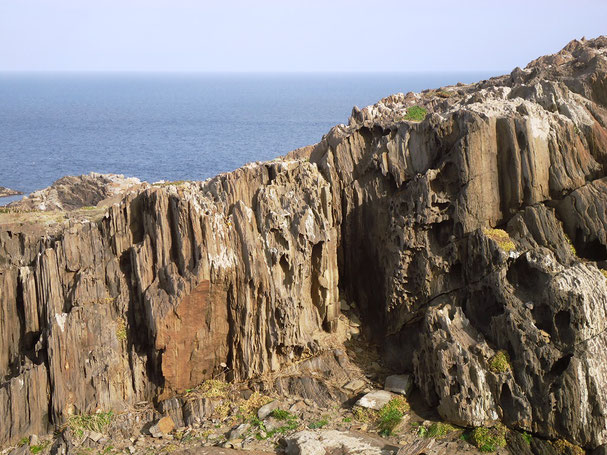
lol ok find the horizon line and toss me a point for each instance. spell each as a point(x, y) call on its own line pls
point(128, 71)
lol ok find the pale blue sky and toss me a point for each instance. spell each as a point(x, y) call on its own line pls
point(311, 35)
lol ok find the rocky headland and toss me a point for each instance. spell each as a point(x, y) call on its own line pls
point(4, 192)
point(428, 279)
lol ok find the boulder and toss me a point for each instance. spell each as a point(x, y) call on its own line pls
point(267, 409)
point(375, 399)
point(163, 427)
point(399, 383)
point(322, 442)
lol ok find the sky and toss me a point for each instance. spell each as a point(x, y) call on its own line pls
point(289, 35)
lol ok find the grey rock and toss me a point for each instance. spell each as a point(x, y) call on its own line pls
point(375, 399)
point(355, 385)
point(94, 436)
point(322, 442)
point(267, 409)
point(238, 432)
point(399, 383)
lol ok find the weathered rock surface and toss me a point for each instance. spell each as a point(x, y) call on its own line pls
point(173, 283)
point(376, 399)
point(331, 441)
point(4, 192)
point(69, 193)
point(471, 242)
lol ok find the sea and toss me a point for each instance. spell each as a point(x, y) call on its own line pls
point(172, 126)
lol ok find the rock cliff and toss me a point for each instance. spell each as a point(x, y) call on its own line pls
point(474, 243)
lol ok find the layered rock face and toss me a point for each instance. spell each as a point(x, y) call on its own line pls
point(174, 286)
point(452, 235)
point(418, 205)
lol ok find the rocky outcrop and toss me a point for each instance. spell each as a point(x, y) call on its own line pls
point(418, 205)
point(234, 276)
point(471, 242)
point(4, 192)
point(69, 193)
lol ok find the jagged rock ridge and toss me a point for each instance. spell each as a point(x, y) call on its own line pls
point(243, 272)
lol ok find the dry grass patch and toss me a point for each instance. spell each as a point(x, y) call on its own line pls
point(500, 237)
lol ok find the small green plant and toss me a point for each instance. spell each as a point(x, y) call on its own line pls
point(489, 439)
point(290, 423)
point(500, 237)
point(280, 414)
point(604, 272)
point(439, 429)
point(571, 246)
point(500, 362)
point(347, 419)
point(35, 449)
point(318, 424)
point(434, 430)
point(391, 415)
point(527, 437)
point(23, 441)
point(92, 422)
point(415, 114)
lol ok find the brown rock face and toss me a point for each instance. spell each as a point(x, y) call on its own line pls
point(193, 338)
point(452, 235)
point(175, 285)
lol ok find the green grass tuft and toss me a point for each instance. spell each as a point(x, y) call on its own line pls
point(439, 429)
point(415, 114)
point(391, 415)
point(318, 424)
point(92, 422)
point(35, 449)
point(290, 423)
point(489, 439)
point(500, 362)
point(279, 414)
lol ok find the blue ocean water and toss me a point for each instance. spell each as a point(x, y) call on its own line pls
point(175, 126)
